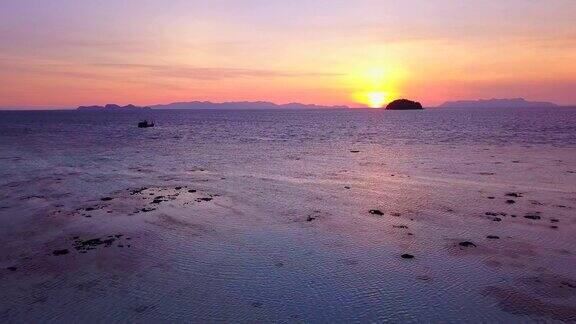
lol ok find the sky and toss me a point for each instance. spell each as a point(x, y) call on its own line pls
point(65, 53)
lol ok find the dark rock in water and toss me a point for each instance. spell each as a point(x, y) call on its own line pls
point(490, 197)
point(91, 244)
point(346, 187)
point(376, 212)
point(554, 220)
point(404, 104)
point(467, 244)
point(553, 226)
point(60, 252)
point(106, 198)
point(203, 199)
point(497, 219)
point(12, 269)
point(514, 194)
point(310, 218)
point(178, 188)
point(192, 190)
point(158, 200)
point(407, 256)
point(532, 216)
point(354, 151)
point(493, 237)
point(510, 201)
point(147, 209)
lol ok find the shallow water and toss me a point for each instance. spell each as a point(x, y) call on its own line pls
point(285, 232)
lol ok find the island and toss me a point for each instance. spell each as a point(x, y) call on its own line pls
point(113, 107)
point(404, 104)
point(497, 103)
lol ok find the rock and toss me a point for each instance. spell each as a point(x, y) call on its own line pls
point(532, 216)
point(192, 190)
point(497, 219)
point(310, 218)
point(467, 244)
point(554, 220)
point(493, 237)
point(12, 269)
point(404, 104)
point(407, 256)
point(106, 198)
point(91, 244)
point(147, 209)
point(158, 200)
point(60, 252)
point(376, 212)
point(514, 194)
point(510, 201)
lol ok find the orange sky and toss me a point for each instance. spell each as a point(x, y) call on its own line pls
point(64, 53)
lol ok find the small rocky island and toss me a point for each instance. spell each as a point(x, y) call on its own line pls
point(404, 104)
point(113, 107)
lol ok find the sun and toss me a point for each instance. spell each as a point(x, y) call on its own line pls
point(376, 99)
point(375, 86)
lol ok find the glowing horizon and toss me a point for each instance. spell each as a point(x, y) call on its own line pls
point(66, 53)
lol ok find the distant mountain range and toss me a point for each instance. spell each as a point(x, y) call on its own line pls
point(112, 107)
point(241, 105)
point(496, 103)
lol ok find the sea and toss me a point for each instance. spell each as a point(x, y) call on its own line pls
point(336, 215)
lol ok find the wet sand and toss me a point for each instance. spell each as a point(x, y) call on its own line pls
point(365, 241)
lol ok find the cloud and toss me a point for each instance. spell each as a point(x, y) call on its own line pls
point(208, 73)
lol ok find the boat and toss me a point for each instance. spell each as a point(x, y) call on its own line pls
point(145, 124)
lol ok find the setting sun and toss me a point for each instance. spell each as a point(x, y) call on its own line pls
point(376, 99)
point(376, 86)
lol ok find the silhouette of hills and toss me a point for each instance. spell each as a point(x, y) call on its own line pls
point(241, 105)
point(112, 107)
point(496, 103)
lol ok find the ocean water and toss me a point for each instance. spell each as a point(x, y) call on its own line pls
point(251, 216)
